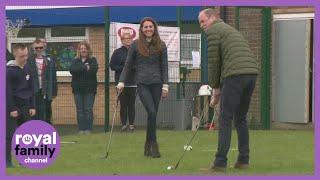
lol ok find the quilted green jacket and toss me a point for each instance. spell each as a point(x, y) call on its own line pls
point(228, 53)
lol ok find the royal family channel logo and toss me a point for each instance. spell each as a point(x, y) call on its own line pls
point(36, 144)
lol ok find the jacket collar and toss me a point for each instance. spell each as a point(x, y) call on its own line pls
point(12, 63)
point(217, 21)
point(214, 23)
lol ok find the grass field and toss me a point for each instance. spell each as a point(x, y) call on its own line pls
point(272, 153)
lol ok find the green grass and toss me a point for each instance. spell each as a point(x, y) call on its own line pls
point(272, 153)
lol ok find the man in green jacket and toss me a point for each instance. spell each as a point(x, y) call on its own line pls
point(232, 71)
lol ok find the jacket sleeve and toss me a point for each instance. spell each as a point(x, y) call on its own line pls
point(214, 59)
point(129, 63)
point(93, 67)
point(32, 104)
point(11, 105)
point(77, 67)
point(115, 64)
point(164, 64)
point(54, 79)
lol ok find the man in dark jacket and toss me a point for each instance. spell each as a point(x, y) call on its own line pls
point(45, 81)
point(128, 95)
point(232, 75)
point(20, 96)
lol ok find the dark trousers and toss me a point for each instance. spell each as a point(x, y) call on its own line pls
point(236, 92)
point(43, 108)
point(84, 105)
point(127, 101)
point(150, 96)
point(11, 126)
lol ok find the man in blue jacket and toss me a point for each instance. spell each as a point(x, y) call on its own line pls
point(19, 92)
point(128, 96)
point(45, 82)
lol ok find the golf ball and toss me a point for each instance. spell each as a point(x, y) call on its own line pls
point(188, 148)
point(169, 168)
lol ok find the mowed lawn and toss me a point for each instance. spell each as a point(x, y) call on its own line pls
point(275, 152)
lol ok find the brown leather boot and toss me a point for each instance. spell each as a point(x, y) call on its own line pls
point(154, 150)
point(239, 165)
point(147, 147)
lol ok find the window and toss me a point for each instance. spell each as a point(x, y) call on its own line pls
point(68, 31)
point(32, 32)
point(62, 43)
point(63, 53)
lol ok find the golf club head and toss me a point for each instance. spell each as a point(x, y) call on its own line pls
point(104, 157)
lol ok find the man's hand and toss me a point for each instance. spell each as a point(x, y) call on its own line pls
point(32, 112)
point(215, 97)
point(14, 114)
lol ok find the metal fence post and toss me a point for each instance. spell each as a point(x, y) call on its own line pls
point(106, 77)
point(265, 70)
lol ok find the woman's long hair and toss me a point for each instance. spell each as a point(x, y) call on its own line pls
point(85, 43)
point(156, 41)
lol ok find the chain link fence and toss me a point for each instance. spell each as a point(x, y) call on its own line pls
point(177, 110)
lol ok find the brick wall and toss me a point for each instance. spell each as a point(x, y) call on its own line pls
point(250, 25)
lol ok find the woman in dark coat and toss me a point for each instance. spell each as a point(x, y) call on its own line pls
point(148, 55)
point(84, 70)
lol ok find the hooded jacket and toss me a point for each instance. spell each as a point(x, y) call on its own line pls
point(19, 87)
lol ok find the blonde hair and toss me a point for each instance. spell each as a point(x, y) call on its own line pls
point(123, 35)
point(87, 45)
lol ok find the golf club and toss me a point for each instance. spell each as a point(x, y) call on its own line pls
point(111, 131)
point(190, 140)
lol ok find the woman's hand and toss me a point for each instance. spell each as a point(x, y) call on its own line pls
point(120, 87)
point(164, 93)
point(165, 90)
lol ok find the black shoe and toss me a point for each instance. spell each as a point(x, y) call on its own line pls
point(147, 148)
point(154, 149)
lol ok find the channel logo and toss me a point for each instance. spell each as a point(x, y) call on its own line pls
point(36, 144)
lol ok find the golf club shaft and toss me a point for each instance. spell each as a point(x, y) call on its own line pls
point(111, 131)
point(192, 137)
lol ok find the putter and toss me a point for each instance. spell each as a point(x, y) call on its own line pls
point(111, 131)
point(190, 140)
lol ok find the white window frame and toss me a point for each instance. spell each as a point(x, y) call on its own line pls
point(51, 39)
point(291, 16)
